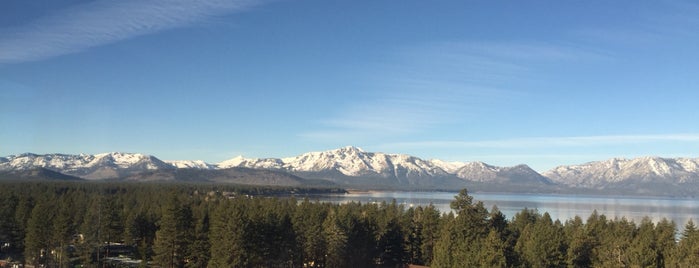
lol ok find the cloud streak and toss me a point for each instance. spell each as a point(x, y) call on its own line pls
point(440, 84)
point(549, 142)
point(103, 22)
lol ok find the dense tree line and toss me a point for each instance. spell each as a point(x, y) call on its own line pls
point(64, 224)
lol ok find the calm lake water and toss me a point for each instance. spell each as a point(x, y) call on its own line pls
point(562, 207)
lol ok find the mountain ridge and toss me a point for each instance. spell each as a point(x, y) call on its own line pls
point(353, 167)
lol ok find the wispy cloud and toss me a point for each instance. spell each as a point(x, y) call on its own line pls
point(103, 22)
point(440, 83)
point(660, 23)
point(549, 142)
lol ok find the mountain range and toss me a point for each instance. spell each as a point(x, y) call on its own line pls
point(352, 167)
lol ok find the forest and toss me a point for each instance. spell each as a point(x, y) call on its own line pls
point(80, 224)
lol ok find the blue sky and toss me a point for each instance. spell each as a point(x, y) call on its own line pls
point(544, 83)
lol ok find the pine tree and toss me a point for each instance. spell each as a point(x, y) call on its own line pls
point(337, 241)
point(444, 246)
point(63, 231)
point(228, 245)
point(429, 226)
point(391, 234)
point(200, 248)
point(614, 243)
point(580, 248)
point(665, 240)
point(542, 244)
point(9, 227)
point(140, 231)
point(643, 250)
point(391, 244)
point(308, 225)
point(39, 233)
point(462, 238)
point(25, 205)
point(492, 254)
point(690, 230)
point(686, 254)
point(175, 234)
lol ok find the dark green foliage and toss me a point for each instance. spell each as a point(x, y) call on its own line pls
point(38, 240)
point(308, 224)
point(542, 244)
point(580, 244)
point(422, 234)
point(189, 225)
point(687, 252)
point(175, 234)
point(463, 237)
point(10, 228)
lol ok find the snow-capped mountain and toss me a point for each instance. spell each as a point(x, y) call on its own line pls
point(348, 166)
point(354, 167)
point(478, 171)
point(619, 170)
point(254, 163)
point(450, 167)
point(198, 164)
point(347, 161)
point(354, 162)
point(99, 166)
point(482, 172)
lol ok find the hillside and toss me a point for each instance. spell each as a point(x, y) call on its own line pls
point(352, 167)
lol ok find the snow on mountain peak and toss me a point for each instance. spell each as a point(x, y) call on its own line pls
point(616, 170)
point(450, 167)
point(99, 166)
point(354, 162)
point(349, 149)
point(198, 164)
point(255, 163)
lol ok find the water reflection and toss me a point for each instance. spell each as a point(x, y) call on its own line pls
point(562, 207)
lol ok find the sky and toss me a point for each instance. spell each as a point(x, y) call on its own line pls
point(544, 83)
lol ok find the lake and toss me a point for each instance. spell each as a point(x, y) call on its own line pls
point(562, 207)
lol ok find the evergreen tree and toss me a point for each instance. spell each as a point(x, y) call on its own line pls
point(391, 237)
point(686, 253)
point(39, 233)
point(580, 244)
point(429, 227)
point(228, 245)
point(542, 244)
point(23, 212)
point(665, 241)
point(596, 227)
point(200, 248)
point(9, 227)
point(111, 224)
point(463, 237)
point(337, 241)
point(308, 224)
point(580, 249)
point(690, 230)
point(174, 235)
point(643, 250)
point(361, 234)
point(614, 244)
point(443, 256)
point(90, 230)
point(391, 245)
point(492, 254)
point(140, 231)
point(515, 229)
point(423, 223)
point(63, 231)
